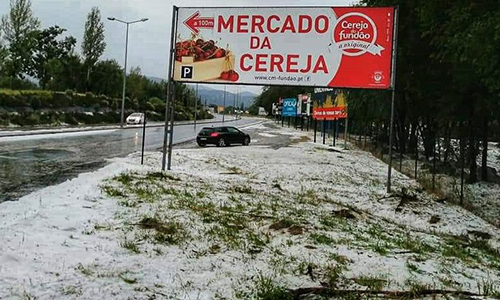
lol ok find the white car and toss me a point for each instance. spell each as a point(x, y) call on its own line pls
point(135, 118)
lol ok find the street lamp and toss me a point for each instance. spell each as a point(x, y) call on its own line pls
point(125, 69)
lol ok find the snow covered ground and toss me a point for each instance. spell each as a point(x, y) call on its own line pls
point(241, 222)
point(483, 198)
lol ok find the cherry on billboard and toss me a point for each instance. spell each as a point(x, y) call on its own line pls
point(343, 47)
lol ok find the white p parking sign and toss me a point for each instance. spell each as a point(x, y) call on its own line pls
point(187, 72)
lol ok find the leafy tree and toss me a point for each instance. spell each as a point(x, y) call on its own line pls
point(49, 48)
point(67, 73)
point(93, 44)
point(18, 26)
point(3, 53)
point(107, 78)
point(135, 85)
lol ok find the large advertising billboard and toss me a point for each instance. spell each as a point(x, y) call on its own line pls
point(344, 47)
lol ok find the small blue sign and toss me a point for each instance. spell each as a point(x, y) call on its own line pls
point(289, 107)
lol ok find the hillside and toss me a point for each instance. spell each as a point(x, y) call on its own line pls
point(214, 96)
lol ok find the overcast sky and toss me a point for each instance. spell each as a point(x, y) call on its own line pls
point(148, 41)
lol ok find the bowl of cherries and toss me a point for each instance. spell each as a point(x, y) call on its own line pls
point(210, 61)
point(200, 49)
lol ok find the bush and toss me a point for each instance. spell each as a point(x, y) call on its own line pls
point(104, 103)
point(70, 119)
point(157, 104)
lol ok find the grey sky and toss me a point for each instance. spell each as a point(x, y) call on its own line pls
point(148, 41)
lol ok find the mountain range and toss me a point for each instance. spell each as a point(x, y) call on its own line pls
point(215, 96)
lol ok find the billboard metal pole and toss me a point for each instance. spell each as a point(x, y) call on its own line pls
point(196, 107)
point(394, 61)
point(169, 85)
point(346, 129)
point(315, 129)
point(172, 124)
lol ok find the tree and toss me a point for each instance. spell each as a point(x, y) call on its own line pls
point(93, 44)
point(67, 73)
point(106, 79)
point(48, 48)
point(18, 26)
point(135, 85)
point(3, 53)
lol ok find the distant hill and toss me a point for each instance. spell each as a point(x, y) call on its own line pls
point(156, 79)
point(216, 96)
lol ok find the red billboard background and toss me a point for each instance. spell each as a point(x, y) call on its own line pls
point(367, 70)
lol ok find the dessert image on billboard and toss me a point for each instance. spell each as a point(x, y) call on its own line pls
point(209, 62)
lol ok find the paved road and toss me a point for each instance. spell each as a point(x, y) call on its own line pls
point(32, 162)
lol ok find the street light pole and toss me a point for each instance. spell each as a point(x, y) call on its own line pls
point(122, 119)
point(124, 80)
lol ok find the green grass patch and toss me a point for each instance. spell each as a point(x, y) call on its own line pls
point(84, 270)
point(380, 247)
point(166, 233)
point(241, 190)
point(322, 239)
point(332, 275)
point(414, 245)
point(376, 283)
point(112, 191)
point(128, 280)
point(413, 268)
point(124, 178)
point(131, 246)
point(267, 289)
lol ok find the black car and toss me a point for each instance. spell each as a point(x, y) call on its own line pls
point(222, 136)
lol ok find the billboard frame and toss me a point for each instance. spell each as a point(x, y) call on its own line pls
point(390, 88)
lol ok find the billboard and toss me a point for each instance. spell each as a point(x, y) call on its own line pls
point(305, 100)
point(328, 106)
point(346, 47)
point(289, 107)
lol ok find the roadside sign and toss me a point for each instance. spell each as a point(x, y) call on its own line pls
point(330, 106)
point(289, 107)
point(347, 47)
point(305, 100)
point(330, 113)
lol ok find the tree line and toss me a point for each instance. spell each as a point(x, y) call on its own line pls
point(49, 55)
point(447, 85)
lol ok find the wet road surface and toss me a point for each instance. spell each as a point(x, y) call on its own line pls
point(34, 162)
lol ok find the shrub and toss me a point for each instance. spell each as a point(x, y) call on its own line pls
point(104, 103)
